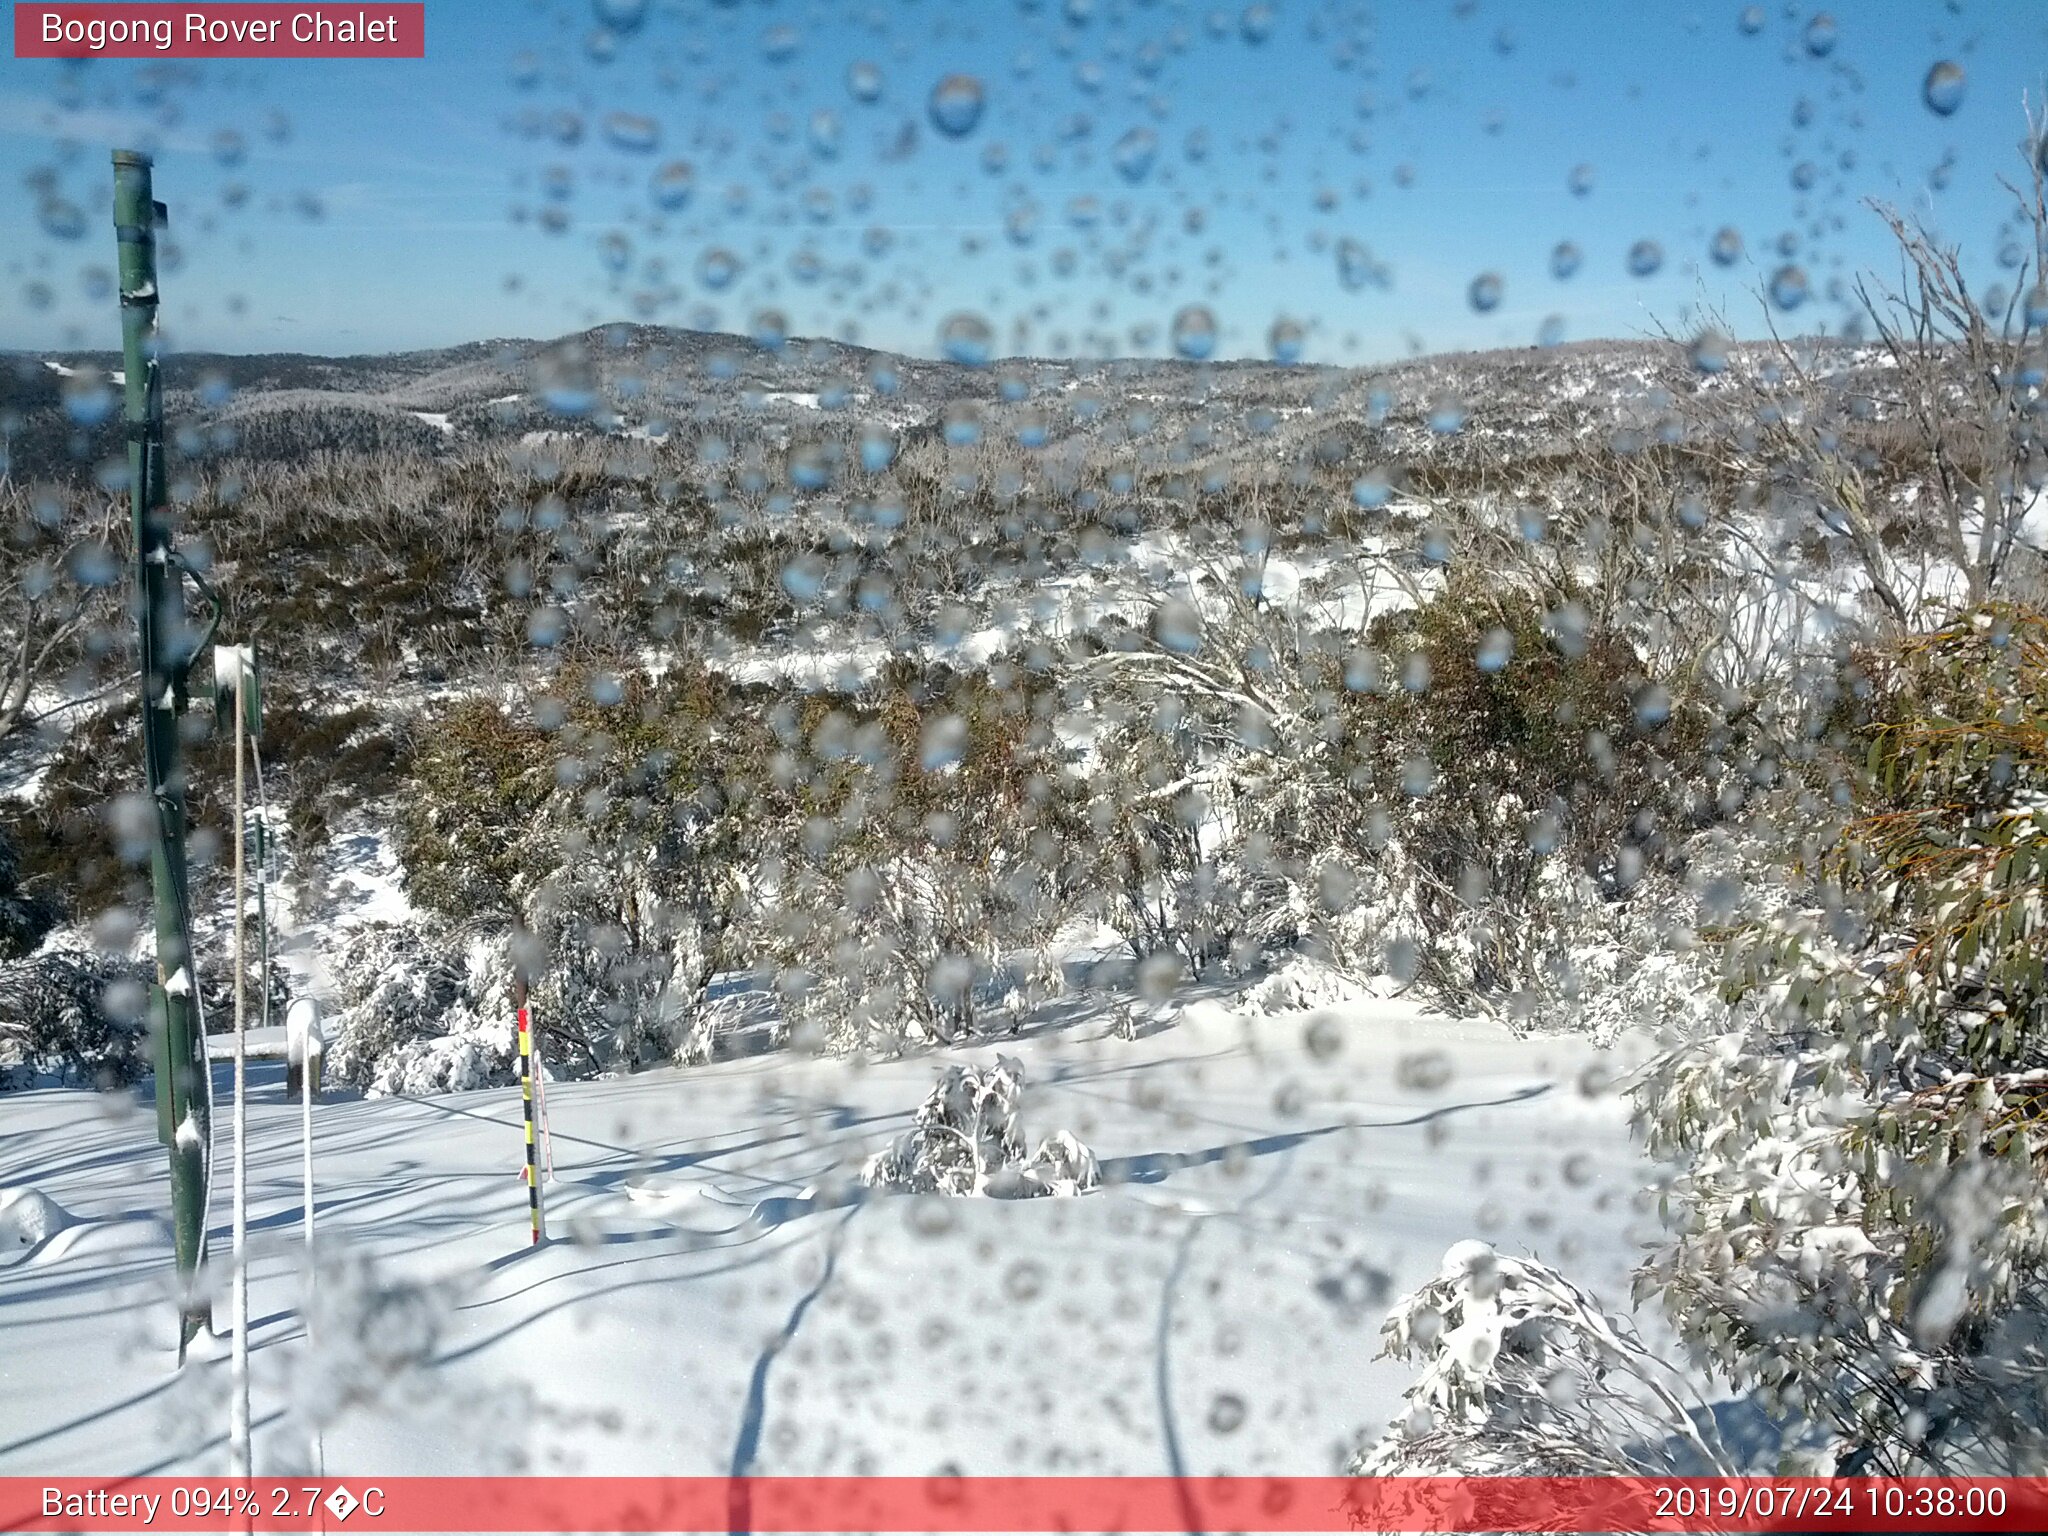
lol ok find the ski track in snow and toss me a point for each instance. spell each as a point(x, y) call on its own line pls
point(717, 1297)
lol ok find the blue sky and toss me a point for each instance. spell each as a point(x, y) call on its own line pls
point(352, 206)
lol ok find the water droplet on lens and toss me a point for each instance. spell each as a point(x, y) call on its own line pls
point(956, 105)
point(1644, 258)
point(1424, 1071)
point(770, 329)
point(1356, 266)
point(1485, 292)
point(1943, 91)
point(967, 339)
point(1194, 332)
point(1134, 154)
point(88, 401)
point(1496, 646)
point(804, 578)
point(93, 565)
point(961, 425)
point(877, 450)
point(1564, 260)
point(864, 81)
point(622, 16)
point(1021, 223)
point(717, 267)
point(61, 219)
point(1158, 975)
point(1789, 287)
point(1285, 340)
point(944, 743)
point(1371, 490)
point(673, 183)
point(1726, 246)
point(1821, 34)
point(1322, 1036)
point(1177, 626)
point(1226, 1413)
point(633, 132)
point(546, 626)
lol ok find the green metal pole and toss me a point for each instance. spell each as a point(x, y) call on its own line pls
point(183, 1115)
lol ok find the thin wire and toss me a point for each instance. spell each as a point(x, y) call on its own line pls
point(547, 1135)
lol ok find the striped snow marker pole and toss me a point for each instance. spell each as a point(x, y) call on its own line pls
point(526, 1086)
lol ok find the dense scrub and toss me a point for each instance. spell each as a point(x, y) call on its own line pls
point(1859, 1227)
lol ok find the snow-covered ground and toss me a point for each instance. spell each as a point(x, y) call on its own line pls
point(713, 1302)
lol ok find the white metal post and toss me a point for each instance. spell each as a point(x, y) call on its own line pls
point(304, 1046)
point(239, 1454)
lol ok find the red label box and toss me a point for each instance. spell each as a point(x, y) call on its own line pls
point(365, 29)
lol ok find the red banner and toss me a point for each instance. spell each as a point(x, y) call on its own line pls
point(1024, 1504)
point(221, 31)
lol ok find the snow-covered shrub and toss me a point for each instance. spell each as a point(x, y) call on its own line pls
point(1063, 1164)
point(1300, 983)
point(468, 823)
point(1518, 768)
point(423, 1012)
point(1856, 1224)
point(921, 865)
point(24, 918)
point(609, 839)
point(1468, 795)
point(1166, 838)
point(967, 1140)
point(28, 1218)
point(1524, 1376)
point(73, 1017)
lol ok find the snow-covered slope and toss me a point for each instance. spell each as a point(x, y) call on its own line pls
point(714, 1302)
